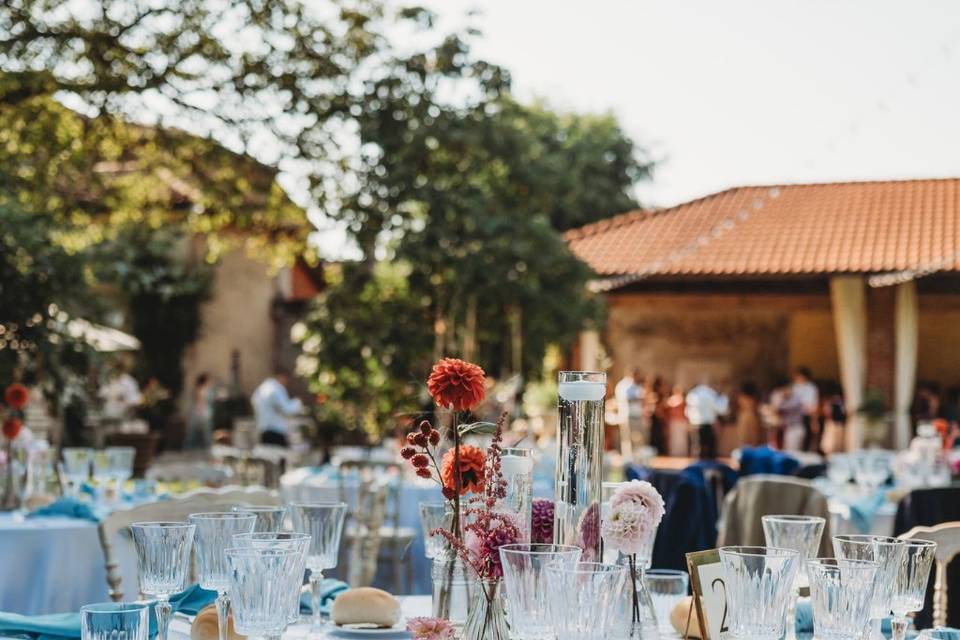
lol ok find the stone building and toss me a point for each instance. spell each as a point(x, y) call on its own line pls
point(859, 281)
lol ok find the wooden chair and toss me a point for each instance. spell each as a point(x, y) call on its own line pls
point(172, 510)
point(363, 533)
point(394, 540)
point(947, 537)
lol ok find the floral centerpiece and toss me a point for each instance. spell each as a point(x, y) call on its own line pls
point(15, 399)
point(636, 509)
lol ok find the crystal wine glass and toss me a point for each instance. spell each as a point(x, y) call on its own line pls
point(121, 465)
point(281, 540)
point(260, 581)
point(76, 465)
point(911, 583)
point(323, 521)
point(268, 518)
point(802, 534)
point(887, 553)
point(102, 473)
point(163, 560)
point(215, 531)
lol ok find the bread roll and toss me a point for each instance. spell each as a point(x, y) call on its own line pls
point(366, 606)
point(678, 618)
point(205, 627)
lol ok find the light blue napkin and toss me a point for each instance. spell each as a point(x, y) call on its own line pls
point(945, 634)
point(67, 507)
point(329, 591)
point(863, 511)
point(66, 626)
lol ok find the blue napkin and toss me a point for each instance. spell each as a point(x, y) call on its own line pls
point(804, 616)
point(66, 626)
point(944, 633)
point(329, 591)
point(862, 511)
point(68, 507)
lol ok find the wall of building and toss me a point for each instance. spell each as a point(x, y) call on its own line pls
point(813, 343)
point(938, 351)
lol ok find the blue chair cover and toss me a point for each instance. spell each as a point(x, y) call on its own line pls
point(763, 459)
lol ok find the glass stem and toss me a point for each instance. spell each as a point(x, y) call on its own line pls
point(791, 631)
point(316, 582)
point(899, 627)
point(163, 611)
point(223, 608)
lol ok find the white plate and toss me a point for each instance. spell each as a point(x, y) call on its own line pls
point(369, 634)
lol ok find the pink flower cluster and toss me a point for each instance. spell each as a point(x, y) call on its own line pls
point(430, 629)
point(636, 509)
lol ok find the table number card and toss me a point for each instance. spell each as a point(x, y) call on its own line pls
point(709, 592)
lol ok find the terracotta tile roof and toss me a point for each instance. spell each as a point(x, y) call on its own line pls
point(865, 227)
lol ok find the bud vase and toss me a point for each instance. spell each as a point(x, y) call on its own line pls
point(453, 587)
point(638, 619)
point(486, 620)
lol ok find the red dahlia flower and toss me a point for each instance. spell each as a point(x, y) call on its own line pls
point(456, 384)
point(11, 428)
point(16, 396)
point(472, 461)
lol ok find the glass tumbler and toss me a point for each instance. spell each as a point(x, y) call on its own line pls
point(281, 540)
point(268, 518)
point(260, 584)
point(115, 621)
point(583, 597)
point(887, 553)
point(525, 582)
point(667, 588)
point(840, 593)
point(759, 582)
point(433, 516)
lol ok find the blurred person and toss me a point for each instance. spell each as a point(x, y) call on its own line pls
point(200, 418)
point(704, 407)
point(834, 418)
point(678, 427)
point(806, 392)
point(121, 394)
point(791, 410)
point(655, 404)
point(272, 405)
point(749, 429)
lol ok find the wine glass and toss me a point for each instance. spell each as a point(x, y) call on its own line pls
point(163, 560)
point(260, 581)
point(268, 518)
point(838, 469)
point(280, 540)
point(121, 464)
point(887, 553)
point(802, 534)
point(102, 472)
point(434, 515)
point(323, 521)
point(911, 583)
point(76, 466)
point(215, 531)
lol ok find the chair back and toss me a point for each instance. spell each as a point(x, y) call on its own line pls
point(389, 474)
point(947, 537)
point(173, 510)
point(366, 523)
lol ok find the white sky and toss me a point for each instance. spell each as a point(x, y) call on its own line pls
point(730, 92)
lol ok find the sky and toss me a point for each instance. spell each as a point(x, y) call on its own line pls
point(734, 92)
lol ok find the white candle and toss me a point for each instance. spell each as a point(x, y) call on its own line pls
point(515, 465)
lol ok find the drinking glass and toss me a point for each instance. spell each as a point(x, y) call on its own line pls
point(838, 469)
point(281, 540)
point(259, 583)
point(911, 583)
point(268, 518)
point(525, 581)
point(163, 560)
point(887, 553)
point(582, 598)
point(102, 473)
point(802, 534)
point(434, 515)
point(121, 464)
point(215, 531)
point(323, 521)
point(76, 465)
point(516, 465)
point(667, 587)
point(115, 621)
point(840, 593)
point(759, 581)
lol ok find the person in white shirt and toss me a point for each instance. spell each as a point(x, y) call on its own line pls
point(120, 395)
point(704, 406)
point(806, 393)
point(272, 405)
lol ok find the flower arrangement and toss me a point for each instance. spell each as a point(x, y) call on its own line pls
point(430, 629)
point(636, 509)
point(541, 526)
point(15, 397)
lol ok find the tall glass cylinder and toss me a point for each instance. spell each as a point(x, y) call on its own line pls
point(579, 474)
point(516, 464)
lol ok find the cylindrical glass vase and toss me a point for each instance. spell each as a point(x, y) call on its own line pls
point(453, 587)
point(516, 464)
point(579, 474)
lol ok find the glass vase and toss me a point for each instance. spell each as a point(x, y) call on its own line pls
point(579, 473)
point(453, 587)
point(517, 468)
point(635, 613)
point(486, 620)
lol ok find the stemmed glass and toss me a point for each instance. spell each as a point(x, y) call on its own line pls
point(281, 540)
point(121, 465)
point(911, 583)
point(163, 560)
point(802, 534)
point(525, 582)
point(583, 599)
point(840, 593)
point(887, 553)
point(102, 473)
point(215, 531)
point(268, 518)
point(76, 466)
point(433, 516)
point(260, 581)
point(323, 521)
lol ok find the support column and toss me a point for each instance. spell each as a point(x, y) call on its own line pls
point(848, 298)
point(906, 317)
point(589, 350)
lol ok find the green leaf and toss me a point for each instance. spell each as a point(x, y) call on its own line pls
point(480, 428)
